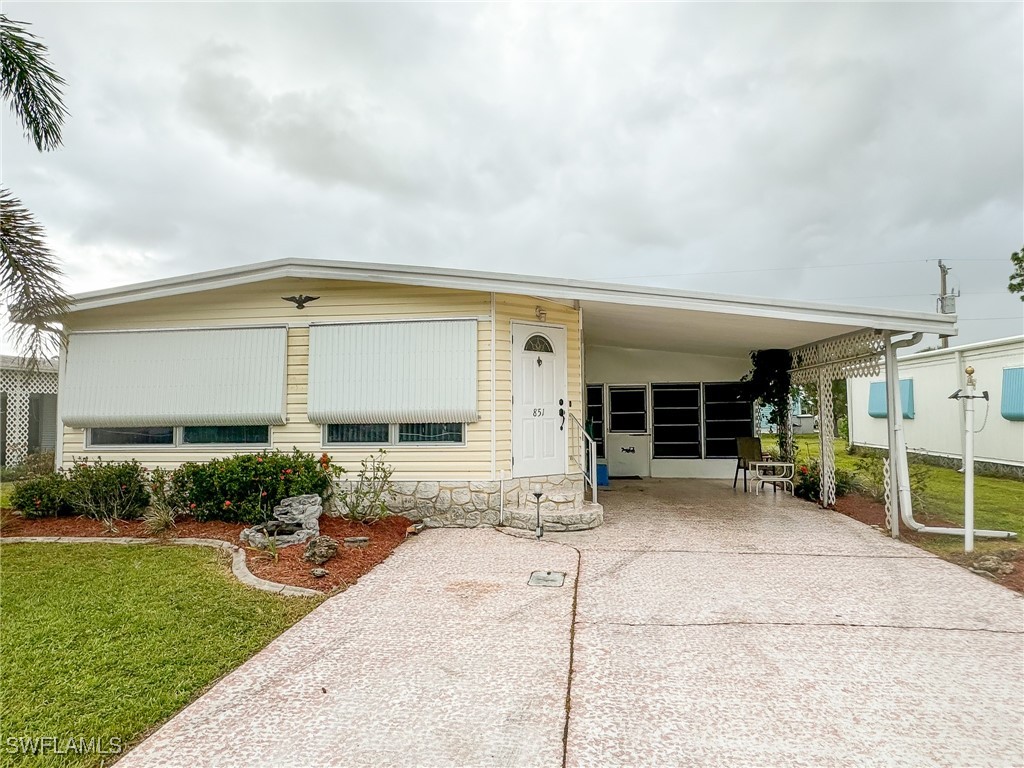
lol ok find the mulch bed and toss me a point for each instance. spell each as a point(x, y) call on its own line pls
point(343, 570)
point(871, 512)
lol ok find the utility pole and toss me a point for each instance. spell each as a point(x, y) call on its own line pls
point(943, 271)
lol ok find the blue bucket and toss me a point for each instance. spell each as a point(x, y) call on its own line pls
point(602, 475)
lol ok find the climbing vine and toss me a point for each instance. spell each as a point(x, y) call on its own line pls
point(769, 382)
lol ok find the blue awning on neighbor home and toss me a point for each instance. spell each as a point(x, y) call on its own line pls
point(878, 406)
point(1012, 406)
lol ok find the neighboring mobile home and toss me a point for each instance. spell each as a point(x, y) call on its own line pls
point(477, 384)
point(934, 424)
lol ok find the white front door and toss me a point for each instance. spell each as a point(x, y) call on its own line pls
point(540, 409)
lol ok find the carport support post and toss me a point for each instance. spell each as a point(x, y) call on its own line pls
point(890, 421)
point(828, 446)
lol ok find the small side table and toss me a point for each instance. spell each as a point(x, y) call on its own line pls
point(774, 472)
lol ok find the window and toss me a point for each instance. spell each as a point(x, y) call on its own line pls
point(392, 434)
point(358, 433)
point(627, 409)
point(179, 436)
point(430, 433)
point(675, 418)
point(728, 414)
point(538, 343)
point(242, 435)
point(131, 436)
point(595, 416)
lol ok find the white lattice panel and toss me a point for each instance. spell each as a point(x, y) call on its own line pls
point(843, 357)
point(20, 385)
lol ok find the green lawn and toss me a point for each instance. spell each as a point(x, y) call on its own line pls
point(6, 487)
point(108, 641)
point(997, 501)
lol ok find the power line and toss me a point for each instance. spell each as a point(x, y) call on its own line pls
point(791, 267)
point(1010, 317)
point(911, 295)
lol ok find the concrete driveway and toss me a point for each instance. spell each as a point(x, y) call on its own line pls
point(708, 628)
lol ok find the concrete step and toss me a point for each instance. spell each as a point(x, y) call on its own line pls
point(580, 516)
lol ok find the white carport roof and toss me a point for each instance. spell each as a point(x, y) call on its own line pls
point(640, 317)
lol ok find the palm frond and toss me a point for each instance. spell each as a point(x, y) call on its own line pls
point(30, 84)
point(30, 281)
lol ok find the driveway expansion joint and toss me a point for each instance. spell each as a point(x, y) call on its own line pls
point(926, 556)
point(851, 625)
point(572, 631)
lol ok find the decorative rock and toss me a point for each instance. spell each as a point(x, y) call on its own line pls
point(304, 510)
point(993, 564)
point(320, 549)
point(461, 496)
point(296, 519)
point(357, 541)
point(427, 490)
point(317, 573)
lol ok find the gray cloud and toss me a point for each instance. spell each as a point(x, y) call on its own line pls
point(606, 141)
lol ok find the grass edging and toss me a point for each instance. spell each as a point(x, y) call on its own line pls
point(238, 565)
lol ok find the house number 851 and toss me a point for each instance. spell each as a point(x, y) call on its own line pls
point(538, 411)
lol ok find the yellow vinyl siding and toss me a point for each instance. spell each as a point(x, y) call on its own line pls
point(339, 301)
point(524, 308)
point(259, 303)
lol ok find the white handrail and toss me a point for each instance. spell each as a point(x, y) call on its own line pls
point(586, 460)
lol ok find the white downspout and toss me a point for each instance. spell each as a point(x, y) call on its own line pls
point(895, 408)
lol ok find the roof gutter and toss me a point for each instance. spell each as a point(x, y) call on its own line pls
point(555, 288)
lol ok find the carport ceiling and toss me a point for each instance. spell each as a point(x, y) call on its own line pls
point(707, 333)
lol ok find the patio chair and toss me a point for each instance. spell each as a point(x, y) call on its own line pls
point(748, 451)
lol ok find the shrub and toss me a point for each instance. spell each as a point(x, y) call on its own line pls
point(871, 478)
point(808, 481)
point(843, 428)
point(161, 514)
point(247, 486)
point(159, 519)
point(13, 473)
point(43, 496)
point(107, 491)
point(35, 465)
point(364, 499)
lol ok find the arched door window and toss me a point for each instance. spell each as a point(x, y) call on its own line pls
point(538, 343)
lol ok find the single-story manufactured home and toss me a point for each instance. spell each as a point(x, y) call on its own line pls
point(482, 387)
point(934, 424)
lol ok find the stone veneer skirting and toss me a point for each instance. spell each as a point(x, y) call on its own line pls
point(470, 503)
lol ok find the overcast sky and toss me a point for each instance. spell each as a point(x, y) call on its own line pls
point(827, 152)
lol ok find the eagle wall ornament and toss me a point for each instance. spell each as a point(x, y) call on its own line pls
point(300, 301)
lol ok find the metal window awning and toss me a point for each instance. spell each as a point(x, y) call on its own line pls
point(393, 372)
point(205, 377)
